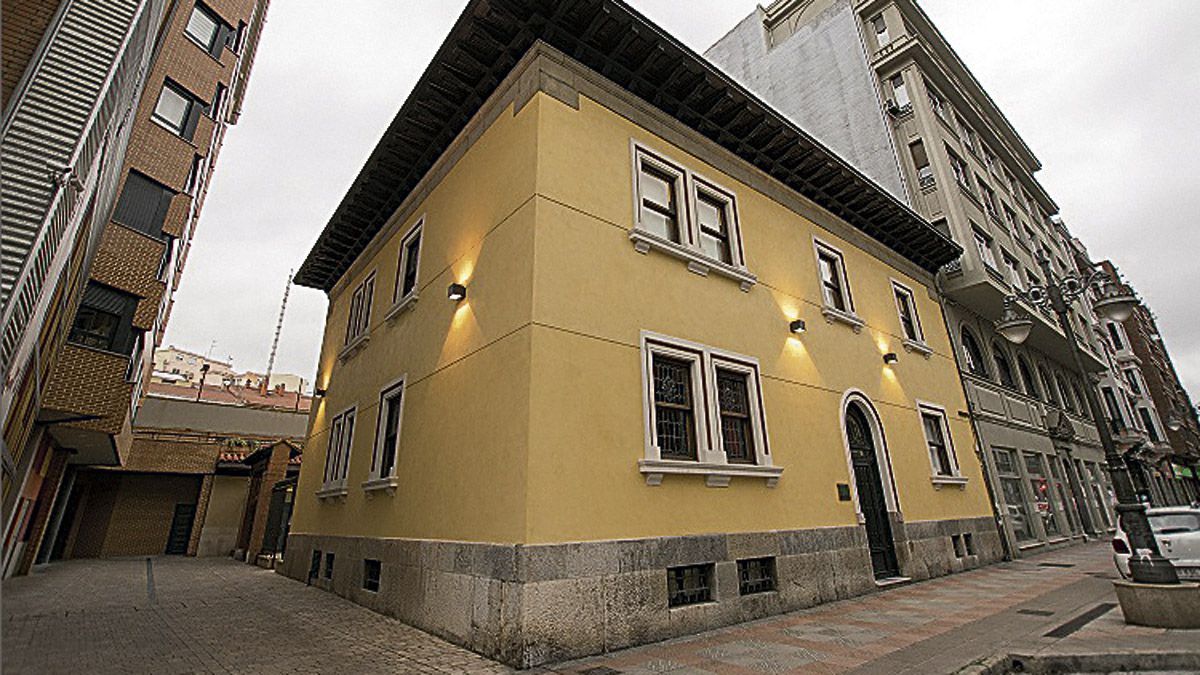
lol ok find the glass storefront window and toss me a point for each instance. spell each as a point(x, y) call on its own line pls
point(1015, 504)
point(1040, 488)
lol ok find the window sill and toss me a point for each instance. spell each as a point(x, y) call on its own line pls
point(376, 484)
point(401, 305)
point(334, 490)
point(717, 475)
point(918, 347)
point(354, 346)
point(832, 314)
point(698, 263)
point(940, 481)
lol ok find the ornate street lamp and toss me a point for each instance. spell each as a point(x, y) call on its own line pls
point(1174, 423)
point(1147, 564)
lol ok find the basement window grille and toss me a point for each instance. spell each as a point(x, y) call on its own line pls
point(689, 585)
point(756, 575)
point(329, 565)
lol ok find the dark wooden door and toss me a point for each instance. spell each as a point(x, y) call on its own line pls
point(181, 529)
point(869, 481)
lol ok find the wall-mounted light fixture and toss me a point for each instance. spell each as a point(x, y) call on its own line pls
point(890, 358)
point(319, 393)
point(797, 326)
point(456, 292)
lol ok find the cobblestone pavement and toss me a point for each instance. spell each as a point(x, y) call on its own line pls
point(206, 615)
point(221, 616)
point(939, 626)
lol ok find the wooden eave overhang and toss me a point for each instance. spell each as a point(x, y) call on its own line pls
point(609, 37)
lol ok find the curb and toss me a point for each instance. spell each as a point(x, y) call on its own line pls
point(1083, 663)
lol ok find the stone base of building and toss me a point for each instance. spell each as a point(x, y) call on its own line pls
point(530, 605)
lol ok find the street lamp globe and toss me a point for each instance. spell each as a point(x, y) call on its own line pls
point(1174, 423)
point(1014, 326)
point(1116, 305)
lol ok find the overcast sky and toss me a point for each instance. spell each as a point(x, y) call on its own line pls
point(1106, 96)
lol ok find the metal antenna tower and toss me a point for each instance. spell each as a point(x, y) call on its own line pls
point(278, 329)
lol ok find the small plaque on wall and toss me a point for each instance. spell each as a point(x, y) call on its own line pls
point(843, 492)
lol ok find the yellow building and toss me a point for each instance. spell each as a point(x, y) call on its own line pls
point(614, 353)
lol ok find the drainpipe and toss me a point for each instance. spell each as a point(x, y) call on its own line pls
point(979, 451)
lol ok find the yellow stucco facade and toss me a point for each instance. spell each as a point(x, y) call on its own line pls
point(523, 413)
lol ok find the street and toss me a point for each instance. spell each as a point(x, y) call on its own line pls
point(219, 616)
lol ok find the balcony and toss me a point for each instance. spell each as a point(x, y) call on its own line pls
point(983, 290)
point(87, 405)
point(992, 402)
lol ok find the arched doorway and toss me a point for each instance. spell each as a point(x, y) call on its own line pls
point(868, 479)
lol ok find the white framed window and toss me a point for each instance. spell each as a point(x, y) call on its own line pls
point(880, 28)
point(1013, 269)
point(989, 198)
point(983, 244)
point(910, 321)
point(716, 222)
point(661, 209)
point(968, 137)
point(337, 454)
point(408, 270)
point(961, 174)
point(385, 454)
point(835, 286)
point(687, 216)
point(942, 457)
point(920, 157)
point(703, 412)
point(360, 313)
point(900, 93)
point(1134, 380)
point(938, 103)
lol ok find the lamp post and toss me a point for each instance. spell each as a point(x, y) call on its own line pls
point(1147, 564)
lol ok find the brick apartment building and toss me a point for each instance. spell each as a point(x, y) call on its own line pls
point(193, 482)
point(1170, 466)
point(143, 91)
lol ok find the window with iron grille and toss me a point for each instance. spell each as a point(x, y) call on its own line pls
point(733, 400)
point(674, 408)
point(756, 575)
point(372, 570)
point(689, 585)
point(703, 404)
point(329, 565)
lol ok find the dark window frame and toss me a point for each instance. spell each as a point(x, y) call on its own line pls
point(372, 575)
point(195, 106)
point(143, 204)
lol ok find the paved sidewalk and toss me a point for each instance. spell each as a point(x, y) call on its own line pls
point(939, 626)
point(221, 616)
point(207, 615)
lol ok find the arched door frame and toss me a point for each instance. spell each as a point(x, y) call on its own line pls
point(883, 457)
